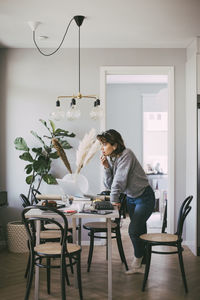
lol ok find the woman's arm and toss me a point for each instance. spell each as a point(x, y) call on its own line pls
point(120, 178)
point(108, 177)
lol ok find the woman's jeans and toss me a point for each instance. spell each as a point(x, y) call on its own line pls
point(139, 210)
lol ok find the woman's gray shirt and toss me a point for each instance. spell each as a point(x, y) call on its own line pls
point(125, 175)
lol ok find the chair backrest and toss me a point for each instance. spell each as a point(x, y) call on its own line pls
point(25, 201)
point(58, 218)
point(183, 212)
point(122, 199)
point(122, 210)
point(164, 223)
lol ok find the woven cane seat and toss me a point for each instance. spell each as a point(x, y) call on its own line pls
point(159, 237)
point(55, 227)
point(52, 226)
point(55, 248)
point(98, 225)
point(52, 234)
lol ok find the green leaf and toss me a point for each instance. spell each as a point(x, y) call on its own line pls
point(65, 144)
point(54, 155)
point(45, 124)
point(37, 150)
point(42, 165)
point(37, 136)
point(20, 144)
point(26, 156)
point(29, 169)
point(47, 149)
point(62, 132)
point(49, 179)
point(29, 179)
point(52, 126)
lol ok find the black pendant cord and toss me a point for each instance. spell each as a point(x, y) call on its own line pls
point(79, 62)
point(49, 54)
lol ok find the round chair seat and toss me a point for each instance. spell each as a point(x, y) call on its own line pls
point(55, 248)
point(55, 227)
point(159, 237)
point(51, 234)
point(98, 225)
point(52, 226)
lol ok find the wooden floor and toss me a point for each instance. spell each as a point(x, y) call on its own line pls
point(164, 281)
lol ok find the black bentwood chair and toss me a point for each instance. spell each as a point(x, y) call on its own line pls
point(48, 250)
point(98, 227)
point(46, 234)
point(165, 239)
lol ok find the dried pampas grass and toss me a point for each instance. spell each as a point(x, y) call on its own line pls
point(94, 148)
point(86, 150)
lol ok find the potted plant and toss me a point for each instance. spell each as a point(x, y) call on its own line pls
point(39, 159)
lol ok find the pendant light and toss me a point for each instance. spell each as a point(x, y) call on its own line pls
point(73, 112)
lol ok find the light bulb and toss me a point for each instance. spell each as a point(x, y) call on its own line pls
point(93, 113)
point(73, 113)
point(96, 112)
point(58, 114)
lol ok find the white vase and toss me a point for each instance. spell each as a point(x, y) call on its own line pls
point(74, 184)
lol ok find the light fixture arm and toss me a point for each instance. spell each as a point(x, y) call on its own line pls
point(78, 20)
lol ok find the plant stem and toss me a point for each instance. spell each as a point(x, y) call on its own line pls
point(39, 183)
point(33, 178)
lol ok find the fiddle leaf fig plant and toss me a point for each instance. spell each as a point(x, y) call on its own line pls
point(39, 159)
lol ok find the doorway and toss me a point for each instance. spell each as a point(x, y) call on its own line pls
point(148, 82)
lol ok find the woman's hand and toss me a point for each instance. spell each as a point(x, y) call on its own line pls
point(117, 204)
point(104, 161)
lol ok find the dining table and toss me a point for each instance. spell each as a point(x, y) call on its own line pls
point(77, 216)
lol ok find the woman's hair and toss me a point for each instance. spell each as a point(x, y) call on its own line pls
point(113, 137)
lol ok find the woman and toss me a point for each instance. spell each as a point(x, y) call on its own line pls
point(124, 174)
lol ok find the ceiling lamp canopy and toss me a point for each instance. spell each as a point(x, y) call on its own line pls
point(73, 112)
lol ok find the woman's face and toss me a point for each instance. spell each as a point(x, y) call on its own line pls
point(107, 149)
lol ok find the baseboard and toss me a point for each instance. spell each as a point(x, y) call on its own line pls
point(191, 245)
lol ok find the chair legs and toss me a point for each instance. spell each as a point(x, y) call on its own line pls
point(27, 267)
point(90, 250)
point(119, 244)
point(120, 248)
point(148, 262)
point(48, 274)
point(63, 276)
point(79, 275)
point(180, 256)
point(30, 277)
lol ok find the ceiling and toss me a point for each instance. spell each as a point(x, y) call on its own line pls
point(108, 23)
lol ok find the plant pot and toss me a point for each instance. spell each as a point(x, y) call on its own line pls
point(74, 184)
point(17, 237)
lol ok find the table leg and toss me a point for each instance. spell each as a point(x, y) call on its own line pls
point(109, 259)
point(37, 274)
point(74, 230)
point(79, 231)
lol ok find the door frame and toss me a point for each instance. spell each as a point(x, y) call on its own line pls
point(149, 70)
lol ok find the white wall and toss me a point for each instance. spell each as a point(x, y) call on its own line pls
point(124, 107)
point(30, 84)
point(191, 144)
